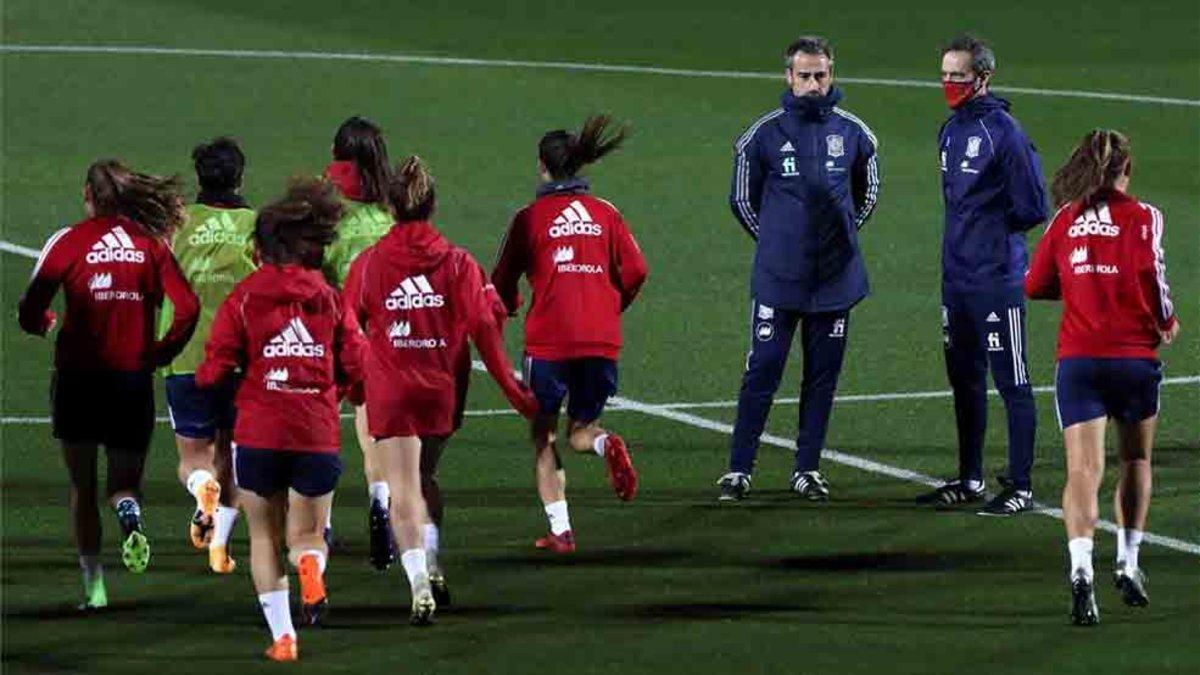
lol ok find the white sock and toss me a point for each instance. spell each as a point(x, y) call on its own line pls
point(598, 444)
point(974, 485)
point(556, 512)
point(1133, 541)
point(415, 565)
point(1081, 557)
point(319, 555)
point(329, 518)
point(196, 480)
point(1121, 545)
point(432, 545)
point(223, 522)
point(92, 570)
point(276, 609)
point(380, 493)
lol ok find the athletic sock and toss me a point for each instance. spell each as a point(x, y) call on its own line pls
point(380, 493)
point(93, 577)
point(973, 485)
point(556, 512)
point(223, 522)
point(1133, 542)
point(129, 515)
point(319, 555)
point(598, 444)
point(196, 480)
point(1081, 557)
point(432, 546)
point(276, 609)
point(415, 565)
point(1121, 546)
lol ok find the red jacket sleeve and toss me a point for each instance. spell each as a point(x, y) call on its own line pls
point(485, 333)
point(33, 311)
point(225, 351)
point(185, 302)
point(352, 291)
point(1154, 273)
point(629, 265)
point(1041, 281)
point(511, 263)
point(350, 347)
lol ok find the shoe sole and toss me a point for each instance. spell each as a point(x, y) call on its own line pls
point(379, 542)
point(200, 534)
point(621, 473)
point(422, 612)
point(210, 497)
point(312, 586)
point(1129, 594)
point(220, 562)
point(314, 615)
point(135, 552)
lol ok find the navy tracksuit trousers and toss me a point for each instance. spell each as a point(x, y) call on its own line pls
point(982, 330)
point(823, 338)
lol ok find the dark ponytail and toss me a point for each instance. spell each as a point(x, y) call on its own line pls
point(360, 140)
point(297, 227)
point(564, 154)
point(411, 192)
point(154, 202)
point(1102, 157)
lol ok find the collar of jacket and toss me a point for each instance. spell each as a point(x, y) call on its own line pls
point(811, 107)
point(344, 176)
point(982, 105)
point(574, 186)
point(222, 200)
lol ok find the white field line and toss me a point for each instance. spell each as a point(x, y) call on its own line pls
point(546, 65)
point(868, 465)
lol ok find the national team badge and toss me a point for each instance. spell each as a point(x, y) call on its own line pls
point(836, 145)
point(973, 144)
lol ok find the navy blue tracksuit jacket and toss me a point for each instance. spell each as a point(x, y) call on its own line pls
point(994, 192)
point(805, 180)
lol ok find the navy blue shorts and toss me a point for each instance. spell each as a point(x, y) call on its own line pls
point(269, 472)
point(1123, 389)
point(586, 384)
point(200, 413)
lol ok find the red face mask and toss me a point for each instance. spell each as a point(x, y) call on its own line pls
point(958, 93)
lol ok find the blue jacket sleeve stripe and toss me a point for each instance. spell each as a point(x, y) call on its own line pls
point(861, 125)
point(871, 194)
point(747, 179)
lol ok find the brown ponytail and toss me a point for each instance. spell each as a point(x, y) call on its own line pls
point(411, 192)
point(564, 154)
point(154, 202)
point(1100, 159)
point(298, 226)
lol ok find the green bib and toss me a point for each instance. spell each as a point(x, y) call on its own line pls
point(361, 227)
point(215, 249)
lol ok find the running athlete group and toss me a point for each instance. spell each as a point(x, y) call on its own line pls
point(344, 289)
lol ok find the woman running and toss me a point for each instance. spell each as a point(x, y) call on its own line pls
point(585, 269)
point(283, 328)
point(420, 299)
point(360, 171)
point(215, 249)
point(1102, 255)
point(114, 267)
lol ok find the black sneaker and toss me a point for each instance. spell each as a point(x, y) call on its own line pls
point(383, 549)
point(1010, 502)
point(811, 485)
point(1132, 587)
point(954, 492)
point(439, 588)
point(734, 486)
point(1084, 611)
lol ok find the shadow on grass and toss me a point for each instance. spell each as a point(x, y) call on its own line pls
point(614, 557)
point(393, 615)
point(880, 561)
point(706, 611)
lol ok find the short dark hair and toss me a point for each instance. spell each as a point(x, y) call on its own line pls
point(219, 164)
point(813, 45)
point(983, 59)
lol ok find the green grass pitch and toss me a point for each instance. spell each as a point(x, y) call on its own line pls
point(672, 582)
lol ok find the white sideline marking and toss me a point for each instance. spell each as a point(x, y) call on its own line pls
point(547, 65)
point(868, 465)
point(19, 250)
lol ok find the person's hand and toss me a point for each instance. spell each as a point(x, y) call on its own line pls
point(1168, 336)
point(526, 403)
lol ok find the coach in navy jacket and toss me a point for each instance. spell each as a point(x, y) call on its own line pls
point(994, 192)
point(805, 181)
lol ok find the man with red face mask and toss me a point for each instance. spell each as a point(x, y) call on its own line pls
point(994, 192)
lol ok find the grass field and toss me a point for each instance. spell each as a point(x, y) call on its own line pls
point(671, 582)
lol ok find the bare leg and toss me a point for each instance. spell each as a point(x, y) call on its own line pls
point(265, 520)
point(85, 514)
point(400, 460)
point(1085, 470)
point(548, 471)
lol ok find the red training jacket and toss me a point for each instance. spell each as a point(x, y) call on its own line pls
point(1105, 260)
point(284, 327)
point(584, 267)
point(114, 274)
point(420, 298)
